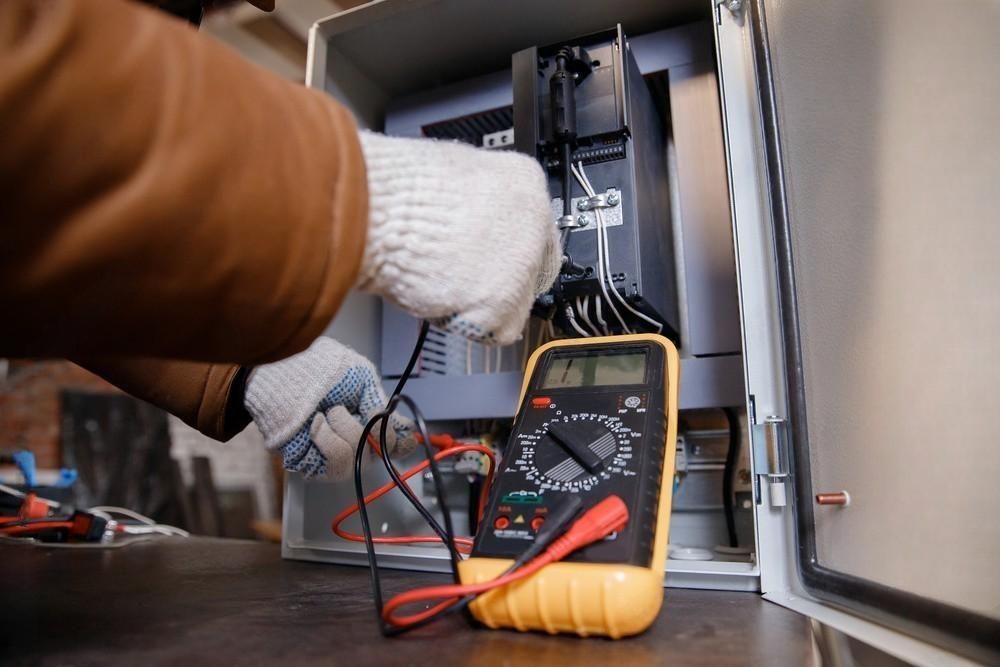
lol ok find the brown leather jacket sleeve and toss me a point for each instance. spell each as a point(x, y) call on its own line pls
point(161, 197)
point(196, 392)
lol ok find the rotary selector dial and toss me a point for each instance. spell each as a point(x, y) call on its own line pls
point(576, 452)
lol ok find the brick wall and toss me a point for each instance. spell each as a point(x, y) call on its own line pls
point(30, 406)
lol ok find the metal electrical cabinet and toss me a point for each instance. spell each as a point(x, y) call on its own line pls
point(477, 103)
point(833, 176)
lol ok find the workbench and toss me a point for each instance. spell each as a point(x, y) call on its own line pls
point(213, 601)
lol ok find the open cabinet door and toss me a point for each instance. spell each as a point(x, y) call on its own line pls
point(879, 174)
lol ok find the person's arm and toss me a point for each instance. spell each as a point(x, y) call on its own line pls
point(208, 397)
point(162, 197)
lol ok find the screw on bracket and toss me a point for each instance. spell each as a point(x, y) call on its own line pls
point(735, 7)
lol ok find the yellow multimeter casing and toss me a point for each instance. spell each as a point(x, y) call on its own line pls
point(612, 599)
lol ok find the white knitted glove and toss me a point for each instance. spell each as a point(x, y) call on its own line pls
point(312, 407)
point(460, 236)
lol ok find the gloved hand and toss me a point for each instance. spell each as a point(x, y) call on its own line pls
point(312, 408)
point(460, 236)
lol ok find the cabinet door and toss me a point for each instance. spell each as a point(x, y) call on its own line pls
point(878, 123)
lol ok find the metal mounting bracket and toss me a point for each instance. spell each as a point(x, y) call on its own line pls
point(610, 202)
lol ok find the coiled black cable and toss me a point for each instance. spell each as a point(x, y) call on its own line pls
point(447, 532)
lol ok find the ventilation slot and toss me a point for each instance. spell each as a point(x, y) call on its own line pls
point(471, 129)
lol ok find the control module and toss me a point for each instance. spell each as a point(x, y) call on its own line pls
point(583, 104)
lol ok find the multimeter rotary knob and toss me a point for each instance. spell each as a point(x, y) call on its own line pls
point(574, 449)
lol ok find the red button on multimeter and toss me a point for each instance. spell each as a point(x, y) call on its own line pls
point(541, 402)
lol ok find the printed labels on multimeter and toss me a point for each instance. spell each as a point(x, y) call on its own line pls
point(586, 427)
point(595, 419)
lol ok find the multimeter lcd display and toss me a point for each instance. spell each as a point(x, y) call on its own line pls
point(596, 370)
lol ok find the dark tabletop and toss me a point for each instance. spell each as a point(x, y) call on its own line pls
point(207, 601)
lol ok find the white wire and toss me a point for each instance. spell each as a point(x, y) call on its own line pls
point(158, 528)
point(573, 323)
point(20, 494)
point(499, 359)
point(582, 306)
point(603, 273)
point(124, 511)
point(468, 357)
point(602, 230)
point(11, 490)
point(600, 316)
point(149, 525)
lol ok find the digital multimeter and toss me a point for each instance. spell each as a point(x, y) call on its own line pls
point(597, 417)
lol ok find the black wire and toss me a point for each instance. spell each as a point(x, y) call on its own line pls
point(567, 194)
point(475, 495)
point(446, 533)
point(30, 522)
point(567, 178)
point(732, 456)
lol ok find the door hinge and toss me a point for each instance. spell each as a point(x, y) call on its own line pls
point(771, 460)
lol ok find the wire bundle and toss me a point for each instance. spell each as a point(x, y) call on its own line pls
point(35, 520)
point(604, 277)
point(92, 528)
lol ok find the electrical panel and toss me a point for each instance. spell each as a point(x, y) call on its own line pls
point(646, 251)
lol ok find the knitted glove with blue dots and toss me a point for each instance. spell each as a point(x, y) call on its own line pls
point(312, 408)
